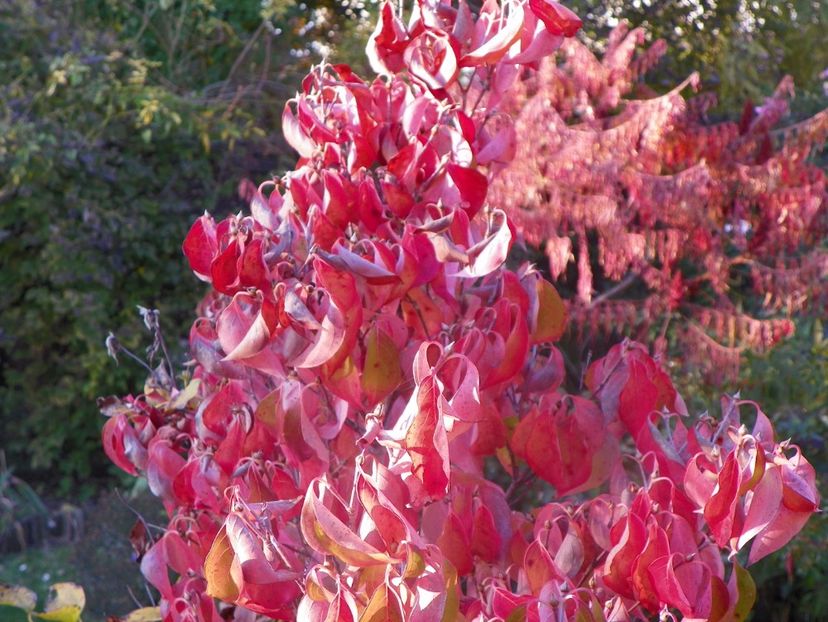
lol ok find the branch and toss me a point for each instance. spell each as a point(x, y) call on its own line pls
point(615, 289)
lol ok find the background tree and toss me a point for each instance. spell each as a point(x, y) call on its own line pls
point(119, 122)
point(741, 49)
point(648, 211)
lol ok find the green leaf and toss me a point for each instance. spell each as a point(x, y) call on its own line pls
point(747, 593)
point(10, 613)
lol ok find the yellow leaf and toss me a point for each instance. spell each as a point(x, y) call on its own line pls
point(217, 569)
point(415, 564)
point(65, 604)
point(381, 608)
point(452, 611)
point(505, 459)
point(69, 613)
point(315, 592)
point(145, 614)
point(16, 596)
point(747, 593)
point(517, 615)
point(382, 373)
point(551, 321)
point(185, 395)
point(62, 595)
point(266, 410)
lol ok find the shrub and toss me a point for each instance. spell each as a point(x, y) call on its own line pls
point(741, 49)
point(648, 212)
point(374, 425)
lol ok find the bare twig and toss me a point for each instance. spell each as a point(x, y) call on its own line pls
point(615, 289)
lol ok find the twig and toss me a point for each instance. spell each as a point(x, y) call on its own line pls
point(524, 478)
point(413, 303)
point(147, 525)
point(137, 602)
point(615, 289)
point(242, 54)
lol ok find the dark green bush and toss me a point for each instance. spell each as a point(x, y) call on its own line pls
point(741, 49)
point(120, 122)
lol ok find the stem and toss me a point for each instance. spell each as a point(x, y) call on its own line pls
point(615, 289)
point(523, 478)
point(419, 315)
point(137, 359)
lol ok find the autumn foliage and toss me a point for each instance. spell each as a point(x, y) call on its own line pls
point(649, 211)
point(373, 391)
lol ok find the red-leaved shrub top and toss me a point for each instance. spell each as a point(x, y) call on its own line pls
point(374, 427)
point(650, 211)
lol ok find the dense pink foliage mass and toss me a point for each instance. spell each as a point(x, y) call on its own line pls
point(374, 391)
point(650, 210)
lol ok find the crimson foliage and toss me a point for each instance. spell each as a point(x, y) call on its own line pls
point(664, 213)
point(366, 368)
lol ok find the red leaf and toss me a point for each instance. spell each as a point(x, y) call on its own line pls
point(781, 529)
point(122, 446)
point(426, 440)
point(622, 558)
point(200, 246)
point(719, 512)
point(683, 584)
point(558, 443)
point(764, 505)
point(252, 268)
point(472, 185)
point(224, 271)
point(454, 544)
point(511, 325)
point(485, 540)
point(558, 19)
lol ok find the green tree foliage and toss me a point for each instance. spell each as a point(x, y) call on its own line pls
point(120, 121)
point(742, 48)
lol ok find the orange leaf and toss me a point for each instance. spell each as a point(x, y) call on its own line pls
point(381, 373)
point(551, 318)
point(217, 569)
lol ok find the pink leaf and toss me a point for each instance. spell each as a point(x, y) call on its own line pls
point(431, 59)
point(327, 534)
point(493, 250)
point(558, 19)
point(242, 331)
point(295, 134)
point(765, 502)
point(720, 510)
point(495, 44)
point(326, 341)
